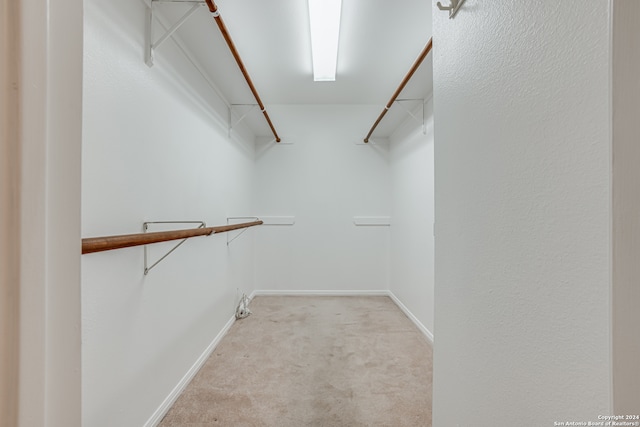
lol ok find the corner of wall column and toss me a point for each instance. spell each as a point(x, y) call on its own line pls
point(9, 213)
point(625, 104)
point(50, 51)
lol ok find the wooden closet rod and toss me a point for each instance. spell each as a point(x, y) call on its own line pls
point(225, 33)
point(107, 243)
point(404, 82)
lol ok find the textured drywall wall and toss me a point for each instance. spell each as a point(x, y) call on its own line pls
point(412, 210)
point(626, 207)
point(154, 149)
point(324, 176)
point(522, 213)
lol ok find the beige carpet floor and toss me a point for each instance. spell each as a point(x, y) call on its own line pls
point(313, 361)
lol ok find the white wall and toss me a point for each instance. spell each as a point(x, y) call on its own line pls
point(412, 213)
point(50, 85)
point(9, 212)
point(626, 207)
point(324, 179)
point(522, 213)
point(153, 150)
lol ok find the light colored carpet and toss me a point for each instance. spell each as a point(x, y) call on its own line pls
point(313, 361)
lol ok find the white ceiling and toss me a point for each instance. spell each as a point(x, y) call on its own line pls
point(379, 41)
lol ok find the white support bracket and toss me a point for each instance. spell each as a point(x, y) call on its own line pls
point(422, 120)
point(242, 117)
point(151, 45)
point(231, 218)
point(145, 228)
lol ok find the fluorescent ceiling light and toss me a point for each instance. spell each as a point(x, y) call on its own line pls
point(324, 17)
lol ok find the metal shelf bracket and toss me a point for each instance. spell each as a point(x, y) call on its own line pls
point(452, 8)
point(243, 110)
point(241, 232)
point(151, 45)
point(422, 119)
point(145, 227)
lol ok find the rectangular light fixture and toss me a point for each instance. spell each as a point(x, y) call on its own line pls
point(324, 18)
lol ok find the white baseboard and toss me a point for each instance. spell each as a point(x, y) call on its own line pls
point(162, 410)
point(319, 293)
point(427, 333)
